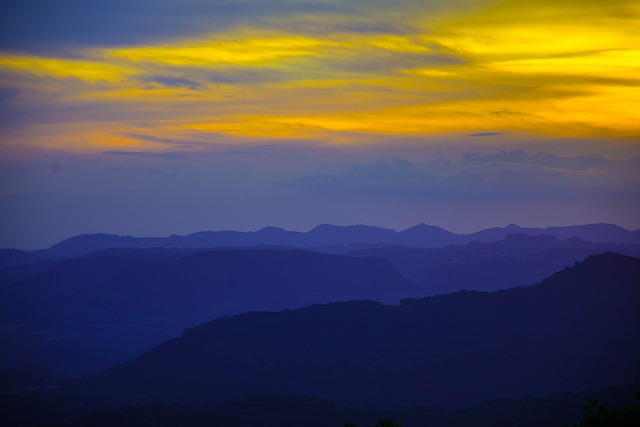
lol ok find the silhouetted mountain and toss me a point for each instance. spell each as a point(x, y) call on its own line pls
point(87, 243)
point(327, 234)
point(334, 238)
point(517, 260)
point(602, 233)
point(88, 313)
point(423, 235)
point(578, 329)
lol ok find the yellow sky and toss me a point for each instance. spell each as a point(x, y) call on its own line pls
point(553, 68)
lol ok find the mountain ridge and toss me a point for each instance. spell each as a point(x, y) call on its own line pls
point(421, 235)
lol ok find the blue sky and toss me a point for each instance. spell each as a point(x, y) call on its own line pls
point(161, 117)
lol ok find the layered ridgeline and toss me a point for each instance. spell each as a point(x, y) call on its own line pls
point(326, 238)
point(85, 314)
point(578, 329)
point(518, 260)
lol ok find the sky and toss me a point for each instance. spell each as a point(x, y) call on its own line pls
point(158, 117)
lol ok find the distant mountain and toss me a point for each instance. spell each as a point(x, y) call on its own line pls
point(329, 238)
point(19, 272)
point(602, 233)
point(87, 243)
point(423, 235)
point(578, 329)
point(515, 261)
point(13, 257)
point(327, 234)
point(322, 235)
point(88, 313)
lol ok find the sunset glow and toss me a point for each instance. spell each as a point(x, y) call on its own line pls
point(568, 69)
point(406, 78)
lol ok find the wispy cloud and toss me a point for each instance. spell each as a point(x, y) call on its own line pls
point(172, 81)
point(142, 154)
point(315, 70)
point(512, 174)
point(485, 134)
point(247, 94)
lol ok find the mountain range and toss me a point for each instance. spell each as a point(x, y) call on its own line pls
point(327, 238)
point(360, 320)
point(80, 315)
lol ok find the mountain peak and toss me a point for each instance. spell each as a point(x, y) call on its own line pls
point(272, 229)
point(333, 227)
point(599, 271)
point(422, 226)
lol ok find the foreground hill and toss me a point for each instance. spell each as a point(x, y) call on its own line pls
point(578, 329)
point(85, 314)
point(294, 411)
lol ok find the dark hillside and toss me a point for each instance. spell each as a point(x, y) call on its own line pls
point(85, 314)
point(578, 329)
point(548, 411)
